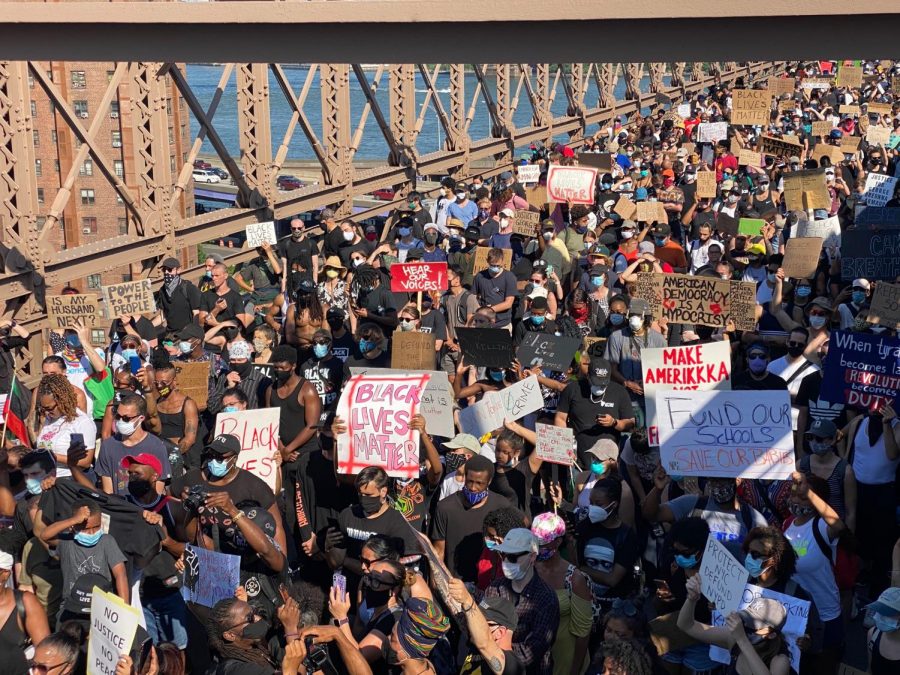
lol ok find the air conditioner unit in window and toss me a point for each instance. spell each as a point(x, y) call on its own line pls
point(117, 144)
point(83, 115)
point(85, 230)
point(114, 115)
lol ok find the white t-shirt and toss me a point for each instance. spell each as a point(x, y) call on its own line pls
point(814, 571)
point(785, 371)
point(78, 371)
point(56, 437)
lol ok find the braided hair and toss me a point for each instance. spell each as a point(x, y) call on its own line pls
point(220, 622)
point(62, 392)
point(365, 278)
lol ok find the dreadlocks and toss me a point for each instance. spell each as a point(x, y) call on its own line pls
point(310, 303)
point(62, 392)
point(365, 278)
point(220, 622)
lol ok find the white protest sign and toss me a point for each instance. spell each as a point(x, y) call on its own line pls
point(113, 625)
point(684, 110)
point(209, 576)
point(436, 400)
point(522, 398)
point(260, 233)
point(699, 367)
point(794, 626)
point(483, 417)
point(722, 577)
point(727, 434)
point(258, 433)
point(712, 132)
point(529, 173)
point(555, 444)
point(571, 184)
point(879, 189)
point(829, 229)
point(377, 411)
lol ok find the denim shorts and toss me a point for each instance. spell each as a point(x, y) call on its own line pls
point(166, 618)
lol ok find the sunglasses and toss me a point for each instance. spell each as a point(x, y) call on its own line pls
point(513, 557)
point(247, 619)
point(756, 555)
point(125, 418)
point(41, 669)
point(366, 563)
point(796, 344)
point(626, 607)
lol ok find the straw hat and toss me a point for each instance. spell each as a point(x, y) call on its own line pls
point(334, 262)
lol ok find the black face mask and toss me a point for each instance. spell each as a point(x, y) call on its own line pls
point(256, 630)
point(15, 477)
point(242, 369)
point(282, 376)
point(335, 324)
point(230, 332)
point(369, 504)
point(139, 488)
point(796, 350)
point(453, 461)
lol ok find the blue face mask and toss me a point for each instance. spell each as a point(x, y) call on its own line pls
point(404, 231)
point(217, 467)
point(885, 624)
point(859, 297)
point(496, 375)
point(474, 497)
point(86, 539)
point(538, 320)
point(33, 485)
point(606, 186)
point(597, 281)
point(686, 562)
point(644, 173)
point(676, 478)
point(597, 468)
point(659, 241)
point(72, 341)
point(616, 319)
point(366, 346)
point(804, 291)
point(490, 544)
point(185, 347)
point(320, 351)
point(758, 365)
point(495, 269)
point(754, 566)
point(128, 353)
point(229, 409)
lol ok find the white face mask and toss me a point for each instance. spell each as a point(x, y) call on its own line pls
point(627, 234)
point(635, 322)
point(461, 195)
point(504, 223)
point(515, 571)
point(126, 429)
point(348, 236)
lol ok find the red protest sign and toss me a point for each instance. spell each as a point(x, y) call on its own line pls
point(571, 184)
point(418, 276)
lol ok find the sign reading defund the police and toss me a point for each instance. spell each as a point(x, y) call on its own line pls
point(726, 433)
point(113, 625)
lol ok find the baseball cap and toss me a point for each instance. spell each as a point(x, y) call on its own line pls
point(260, 517)
point(191, 331)
point(225, 444)
point(758, 347)
point(518, 540)
point(472, 233)
point(431, 226)
point(764, 613)
point(414, 254)
point(499, 611)
point(144, 458)
point(171, 263)
point(639, 307)
point(646, 247)
point(540, 302)
point(822, 302)
point(822, 428)
point(604, 449)
point(794, 159)
point(861, 283)
point(888, 603)
point(506, 175)
point(79, 600)
point(508, 212)
point(628, 225)
point(465, 441)
point(240, 349)
point(756, 249)
point(640, 194)
point(599, 372)
point(548, 226)
point(661, 230)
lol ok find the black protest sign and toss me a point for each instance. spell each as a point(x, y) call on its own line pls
point(552, 352)
point(870, 254)
point(726, 224)
point(873, 216)
point(489, 347)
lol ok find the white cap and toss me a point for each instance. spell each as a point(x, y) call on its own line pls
point(519, 540)
point(861, 283)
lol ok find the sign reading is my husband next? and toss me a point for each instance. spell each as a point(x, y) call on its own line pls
point(377, 412)
point(727, 434)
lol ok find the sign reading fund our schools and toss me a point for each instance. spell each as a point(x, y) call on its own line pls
point(862, 370)
point(377, 412)
point(727, 434)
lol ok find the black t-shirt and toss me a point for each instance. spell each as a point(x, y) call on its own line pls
point(234, 305)
point(356, 360)
point(379, 302)
point(577, 402)
point(357, 529)
point(459, 526)
point(296, 251)
point(326, 376)
point(434, 323)
point(346, 250)
point(413, 501)
point(494, 290)
point(474, 665)
point(179, 307)
point(343, 346)
point(743, 381)
point(332, 242)
point(602, 548)
point(515, 484)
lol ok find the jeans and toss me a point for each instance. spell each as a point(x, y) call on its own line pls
point(166, 618)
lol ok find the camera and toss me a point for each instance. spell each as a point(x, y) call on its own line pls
point(196, 498)
point(316, 656)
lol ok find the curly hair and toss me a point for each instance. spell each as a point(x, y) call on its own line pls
point(62, 392)
point(778, 548)
point(220, 622)
point(625, 657)
point(503, 520)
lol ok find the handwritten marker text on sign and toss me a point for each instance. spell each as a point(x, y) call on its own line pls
point(415, 277)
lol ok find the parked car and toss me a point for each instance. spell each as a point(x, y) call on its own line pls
point(221, 173)
point(289, 183)
point(200, 164)
point(205, 176)
point(385, 194)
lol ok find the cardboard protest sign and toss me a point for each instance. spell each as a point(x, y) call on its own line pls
point(599, 160)
point(209, 576)
point(870, 254)
point(436, 401)
point(850, 144)
point(413, 277)
point(536, 196)
point(779, 147)
point(832, 152)
point(651, 212)
point(878, 108)
point(748, 157)
point(258, 432)
point(625, 208)
point(821, 128)
point(412, 351)
point(522, 398)
point(694, 367)
point(706, 184)
point(722, 577)
point(782, 85)
point(801, 257)
point(712, 132)
point(555, 444)
point(726, 224)
point(750, 106)
point(377, 411)
point(848, 109)
point(193, 380)
point(811, 181)
point(876, 135)
point(483, 417)
point(862, 370)
point(129, 297)
point(730, 434)
point(885, 308)
point(481, 261)
point(530, 173)
point(879, 189)
point(64, 311)
point(849, 76)
point(794, 627)
point(489, 347)
point(571, 184)
point(113, 625)
point(261, 233)
point(704, 301)
point(527, 223)
point(787, 106)
point(816, 83)
point(752, 227)
point(552, 352)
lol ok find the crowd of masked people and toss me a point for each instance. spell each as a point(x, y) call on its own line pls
point(540, 569)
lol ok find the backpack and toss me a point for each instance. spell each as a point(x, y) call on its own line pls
point(462, 312)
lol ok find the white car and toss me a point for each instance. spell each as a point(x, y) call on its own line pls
point(205, 176)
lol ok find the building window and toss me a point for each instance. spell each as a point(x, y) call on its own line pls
point(87, 169)
point(109, 75)
point(169, 106)
point(33, 109)
point(56, 165)
point(37, 138)
point(81, 108)
point(94, 281)
point(37, 167)
point(172, 164)
point(171, 135)
point(123, 225)
point(78, 79)
point(98, 336)
point(89, 225)
point(119, 167)
point(87, 197)
point(114, 109)
point(40, 195)
point(117, 139)
point(126, 276)
point(50, 75)
point(53, 136)
point(30, 80)
point(119, 199)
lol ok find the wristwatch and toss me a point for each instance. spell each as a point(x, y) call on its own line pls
point(337, 623)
